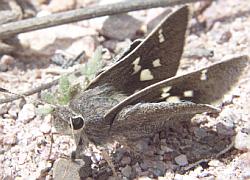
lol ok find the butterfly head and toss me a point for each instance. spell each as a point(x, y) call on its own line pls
point(66, 120)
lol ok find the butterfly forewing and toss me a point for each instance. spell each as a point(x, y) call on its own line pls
point(204, 86)
point(153, 60)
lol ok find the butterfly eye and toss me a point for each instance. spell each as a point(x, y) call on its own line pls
point(77, 122)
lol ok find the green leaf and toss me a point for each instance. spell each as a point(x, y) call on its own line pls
point(64, 85)
point(44, 110)
point(64, 90)
point(48, 97)
point(94, 64)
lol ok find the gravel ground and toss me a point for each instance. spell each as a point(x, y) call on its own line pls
point(28, 150)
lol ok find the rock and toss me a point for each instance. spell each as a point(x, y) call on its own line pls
point(45, 128)
point(215, 163)
point(87, 44)
point(168, 175)
point(178, 177)
point(126, 160)
point(225, 37)
point(127, 171)
point(246, 173)
point(154, 22)
point(13, 111)
point(144, 178)
point(146, 164)
point(10, 139)
point(119, 154)
point(142, 145)
point(4, 108)
point(181, 160)
point(200, 133)
point(3, 67)
point(137, 168)
point(27, 113)
point(110, 44)
point(224, 129)
point(68, 169)
point(128, 27)
point(7, 60)
point(166, 149)
point(199, 119)
point(61, 5)
point(159, 168)
point(113, 178)
point(22, 158)
point(46, 125)
point(242, 141)
point(227, 119)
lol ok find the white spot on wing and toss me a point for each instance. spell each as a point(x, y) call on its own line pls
point(165, 92)
point(173, 99)
point(146, 75)
point(203, 75)
point(161, 36)
point(164, 95)
point(166, 89)
point(188, 93)
point(136, 65)
point(136, 61)
point(157, 62)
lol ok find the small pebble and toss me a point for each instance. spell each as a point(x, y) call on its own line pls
point(215, 163)
point(13, 111)
point(61, 5)
point(224, 129)
point(45, 128)
point(22, 158)
point(128, 27)
point(229, 116)
point(181, 160)
point(166, 149)
point(144, 178)
point(126, 160)
point(7, 60)
point(126, 171)
point(142, 145)
point(4, 109)
point(225, 37)
point(66, 169)
point(3, 67)
point(27, 113)
point(10, 139)
point(159, 168)
point(242, 141)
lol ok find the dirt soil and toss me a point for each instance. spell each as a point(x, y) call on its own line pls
point(208, 147)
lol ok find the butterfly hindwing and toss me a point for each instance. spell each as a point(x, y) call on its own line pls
point(145, 119)
point(154, 59)
point(205, 86)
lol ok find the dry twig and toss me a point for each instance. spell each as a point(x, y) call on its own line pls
point(10, 29)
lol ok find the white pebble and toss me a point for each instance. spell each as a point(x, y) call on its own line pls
point(27, 113)
point(181, 160)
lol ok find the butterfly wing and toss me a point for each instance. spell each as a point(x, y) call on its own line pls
point(145, 119)
point(154, 59)
point(207, 85)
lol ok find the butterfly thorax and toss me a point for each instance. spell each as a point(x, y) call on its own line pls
point(92, 105)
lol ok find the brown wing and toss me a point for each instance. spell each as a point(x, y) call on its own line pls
point(145, 119)
point(205, 86)
point(154, 59)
